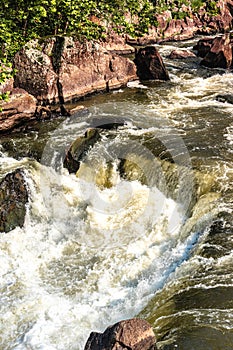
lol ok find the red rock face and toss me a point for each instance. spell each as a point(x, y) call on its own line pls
point(35, 72)
point(64, 69)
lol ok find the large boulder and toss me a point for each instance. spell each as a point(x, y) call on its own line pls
point(133, 334)
point(13, 200)
point(220, 53)
point(150, 65)
point(61, 69)
point(203, 46)
point(79, 149)
point(20, 107)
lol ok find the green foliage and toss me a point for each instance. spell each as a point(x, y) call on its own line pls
point(196, 4)
point(23, 20)
point(6, 72)
point(212, 8)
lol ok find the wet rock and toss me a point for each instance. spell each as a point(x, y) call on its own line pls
point(62, 69)
point(180, 54)
point(20, 108)
point(133, 334)
point(220, 53)
point(75, 110)
point(150, 65)
point(13, 200)
point(225, 98)
point(109, 123)
point(79, 149)
point(203, 46)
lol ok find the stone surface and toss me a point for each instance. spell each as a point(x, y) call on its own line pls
point(225, 18)
point(13, 200)
point(203, 46)
point(115, 43)
point(35, 71)
point(220, 53)
point(171, 27)
point(79, 149)
point(150, 65)
point(133, 334)
point(63, 69)
point(180, 54)
point(20, 108)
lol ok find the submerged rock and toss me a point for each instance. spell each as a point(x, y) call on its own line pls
point(79, 149)
point(13, 200)
point(133, 334)
point(150, 65)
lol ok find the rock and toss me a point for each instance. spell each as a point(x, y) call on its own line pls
point(180, 54)
point(79, 149)
point(43, 113)
point(62, 69)
point(203, 46)
point(182, 23)
point(225, 98)
point(150, 65)
point(109, 123)
point(116, 44)
point(13, 200)
point(220, 53)
point(225, 18)
point(173, 28)
point(133, 334)
point(76, 109)
point(34, 70)
point(20, 108)
point(7, 86)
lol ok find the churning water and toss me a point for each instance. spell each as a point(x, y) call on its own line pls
point(149, 238)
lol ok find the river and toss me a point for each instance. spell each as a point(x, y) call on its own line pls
point(153, 240)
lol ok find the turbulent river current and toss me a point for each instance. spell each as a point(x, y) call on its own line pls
point(143, 229)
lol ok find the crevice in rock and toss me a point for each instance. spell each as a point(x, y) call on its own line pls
point(123, 345)
point(56, 62)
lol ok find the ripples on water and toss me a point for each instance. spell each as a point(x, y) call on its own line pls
point(158, 246)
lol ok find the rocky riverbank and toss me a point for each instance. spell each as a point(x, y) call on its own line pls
point(57, 70)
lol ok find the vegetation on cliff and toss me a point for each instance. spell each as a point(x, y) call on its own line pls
point(23, 20)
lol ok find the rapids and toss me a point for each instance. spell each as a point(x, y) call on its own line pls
point(154, 240)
